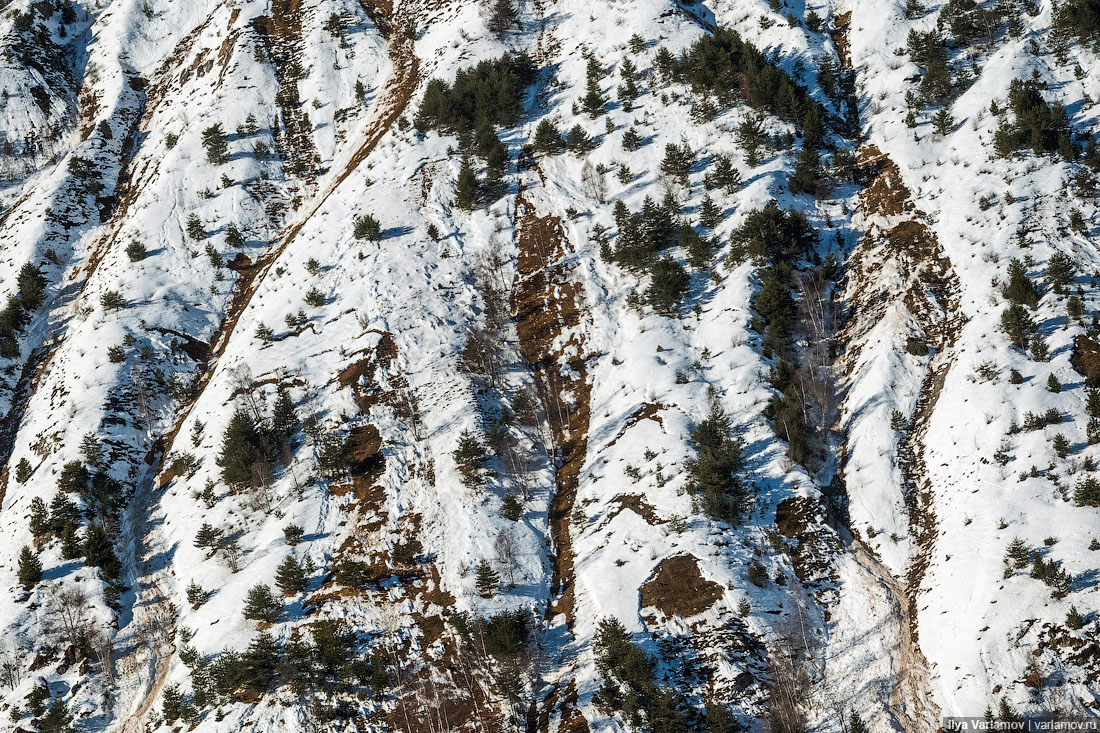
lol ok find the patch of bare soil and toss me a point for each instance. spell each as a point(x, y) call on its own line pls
point(637, 504)
point(802, 519)
point(1079, 649)
point(648, 411)
point(1086, 359)
point(677, 588)
point(839, 35)
point(884, 193)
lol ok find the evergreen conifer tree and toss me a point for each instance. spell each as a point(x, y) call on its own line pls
point(241, 448)
point(668, 285)
point(628, 90)
point(30, 567)
point(548, 138)
point(40, 518)
point(57, 719)
point(99, 552)
point(752, 137)
point(293, 534)
point(593, 97)
point(72, 546)
point(1060, 444)
point(724, 176)
point(710, 214)
point(368, 228)
point(470, 458)
point(290, 577)
point(284, 420)
point(195, 229)
point(1020, 289)
point(713, 470)
point(1060, 271)
point(503, 18)
point(32, 286)
point(1092, 402)
point(23, 470)
point(468, 189)
point(512, 507)
point(217, 149)
point(173, 702)
point(1087, 493)
point(196, 594)
point(1018, 553)
point(74, 477)
point(207, 537)
point(62, 511)
point(259, 662)
point(91, 449)
point(262, 605)
point(1016, 322)
point(578, 141)
point(1092, 431)
point(942, 121)
point(233, 237)
point(487, 580)
point(631, 140)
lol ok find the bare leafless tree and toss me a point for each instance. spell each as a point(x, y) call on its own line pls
point(408, 402)
point(671, 186)
point(507, 551)
point(240, 377)
point(70, 614)
point(790, 686)
point(230, 554)
point(103, 648)
point(483, 354)
point(261, 493)
point(593, 183)
point(10, 667)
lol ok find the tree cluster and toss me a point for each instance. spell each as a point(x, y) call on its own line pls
point(1079, 19)
point(249, 445)
point(490, 92)
point(630, 684)
point(14, 317)
point(713, 471)
point(730, 68)
point(1038, 125)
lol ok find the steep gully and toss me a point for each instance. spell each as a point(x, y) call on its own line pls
point(886, 211)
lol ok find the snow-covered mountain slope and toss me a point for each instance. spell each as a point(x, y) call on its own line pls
point(548, 366)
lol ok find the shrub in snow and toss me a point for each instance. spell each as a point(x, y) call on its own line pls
point(367, 228)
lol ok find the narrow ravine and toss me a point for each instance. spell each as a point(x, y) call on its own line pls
point(873, 599)
point(546, 307)
point(873, 652)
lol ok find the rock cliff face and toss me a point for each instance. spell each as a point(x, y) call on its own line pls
point(534, 366)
